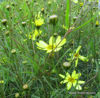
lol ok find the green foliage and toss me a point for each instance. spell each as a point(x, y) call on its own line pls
point(22, 63)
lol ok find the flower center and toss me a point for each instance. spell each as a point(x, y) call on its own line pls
point(76, 55)
point(71, 79)
point(51, 47)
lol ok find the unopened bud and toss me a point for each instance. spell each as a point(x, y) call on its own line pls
point(66, 64)
point(16, 95)
point(25, 86)
point(4, 22)
point(81, 4)
point(8, 7)
point(23, 24)
point(13, 51)
point(53, 19)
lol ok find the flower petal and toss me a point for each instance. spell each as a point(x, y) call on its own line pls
point(67, 74)
point(81, 82)
point(61, 43)
point(64, 81)
point(78, 87)
point(76, 62)
point(42, 45)
point(48, 51)
point(78, 49)
point(58, 40)
point(57, 49)
point(76, 76)
point(51, 40)
point(75, 82)
point(62, 76)
point(69, 85)
point(85, 59)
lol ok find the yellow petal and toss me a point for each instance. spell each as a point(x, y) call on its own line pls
point(74, 74)
point(62, 76)
point(57, 49)
point(64, 81)
point(85, 59)
point(51, 40)
point(78, 87)
point(67, 74)
point(78, 49)
point(69, 85)
point(34, 37)
point(61, 43)
point(76, 62)
point(48, 51)
point(42, 45)
point(81, 82)
point(75, 82)
point(58, 40)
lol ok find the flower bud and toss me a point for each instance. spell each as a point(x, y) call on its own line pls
point(1, 81)
point(97, 23)
point(75, 18)
point(4, 22)
point(66, 64)
point(42, 10)
point(23, 24)
point(8, 7)
point(3, 28)
point(25, 86)
point(20, 9)
point(81, 4)
point(7, 33)
point(53, 19)
point(13, 4)
point(24, 62)
point(49, 3)
point(16, 95)
point(13, 51)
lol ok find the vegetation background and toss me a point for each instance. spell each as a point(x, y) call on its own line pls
point(23, 65)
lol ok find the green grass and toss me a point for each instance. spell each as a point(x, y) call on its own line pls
point(34, 67)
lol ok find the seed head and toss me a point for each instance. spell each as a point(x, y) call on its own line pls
point(25, 86)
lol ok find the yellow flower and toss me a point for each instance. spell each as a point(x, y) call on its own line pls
point(36, 34)
point(53, 46)
point(39, 22)
point(72, 80)
point(77, 56)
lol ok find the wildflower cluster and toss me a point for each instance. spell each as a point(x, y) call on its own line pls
point(38, 22)
point(76, 56)
point(73, 80)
